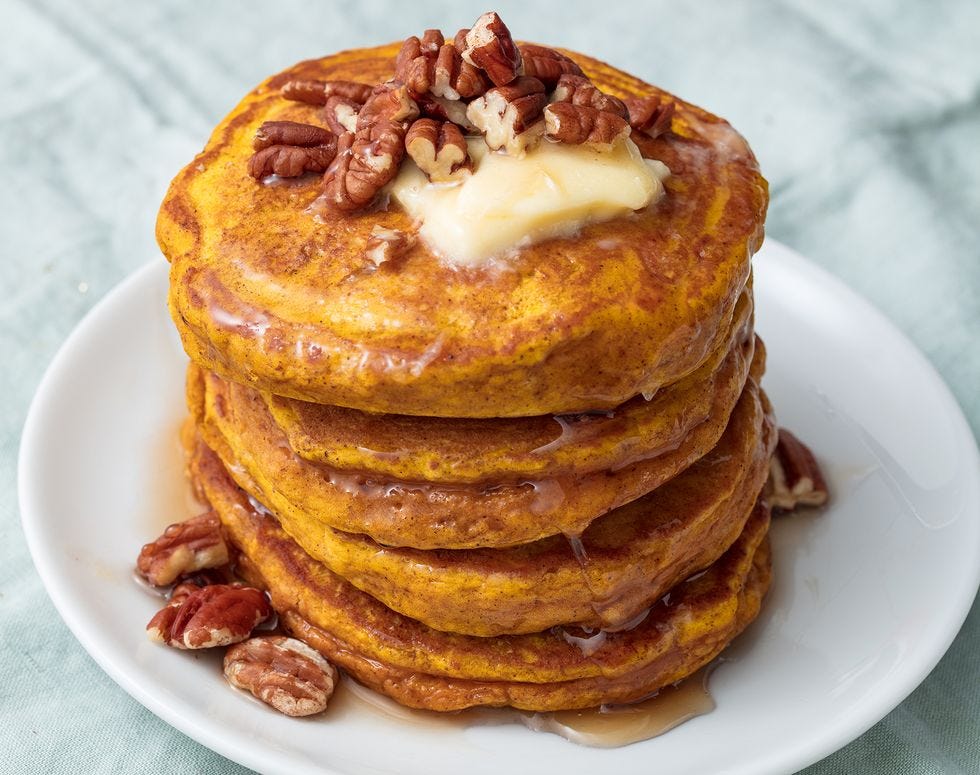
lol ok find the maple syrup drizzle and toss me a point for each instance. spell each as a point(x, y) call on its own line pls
point(608, 726)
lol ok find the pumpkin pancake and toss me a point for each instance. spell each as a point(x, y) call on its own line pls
point(619, 565)
point(264, 293)
point(422, 667)
point(462, 450)
point(235, 421)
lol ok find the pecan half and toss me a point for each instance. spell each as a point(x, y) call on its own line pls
point(579, 90)
point(210, 616)
point(416, 60)
point(282, 672)
point(510, 116)
point(439, 150)
point(289, 133)
point(184, 548)
point(489, 46)
point(385, 245)
point(650, 115)
point(368, 158)
point(340, 114)
point(442, 109)
point(795, 478)
point(576, 124)
point(546, 64)
point(317, 92)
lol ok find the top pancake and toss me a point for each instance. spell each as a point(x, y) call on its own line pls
point(267, 295)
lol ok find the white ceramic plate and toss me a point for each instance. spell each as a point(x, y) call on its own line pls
point(867, 596)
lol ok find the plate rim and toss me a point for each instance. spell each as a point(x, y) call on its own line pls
point(831, 738)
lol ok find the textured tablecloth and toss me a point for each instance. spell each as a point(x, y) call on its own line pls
point(865, 117)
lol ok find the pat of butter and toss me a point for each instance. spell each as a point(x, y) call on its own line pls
point(510, 202)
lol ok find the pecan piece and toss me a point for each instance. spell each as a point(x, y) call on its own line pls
point(575, 124)
point(416, 60)
point(205, 617)
point(368, 158)
point(385, 245)
point(184, 548)
point(579, 90)
point(341, 114)
point(317, 92)
point(795, 478)
point(439, 150)
point(282, 672)
point(489, 46)
point(454, 78)
point(442, 109)
point(289, 133)
point(546, 64)
point(510, 116)
point(650, 115)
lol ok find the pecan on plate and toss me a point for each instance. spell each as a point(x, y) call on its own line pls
point(288, 149)
point(546, 64)
point(576, 124)
point(210, 616)
point(510, 116)
point(282, 672)
point(579, 90)
point(317, 92)
point(650, 115)
point(385, 245)
point(439, 150)
point(489, 46)
point(184, 548)
point(368, 158)
point(795, 478)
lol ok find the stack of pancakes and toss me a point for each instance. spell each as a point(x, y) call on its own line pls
point(532, 483)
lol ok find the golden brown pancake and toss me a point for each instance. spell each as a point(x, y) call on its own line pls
point(265, 294)
point(620, 564)
point(235, 422)
point(463, 450)
point(422, 667)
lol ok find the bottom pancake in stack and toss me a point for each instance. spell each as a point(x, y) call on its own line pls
point(647, 594)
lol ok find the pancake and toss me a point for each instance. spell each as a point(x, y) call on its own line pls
point(422, 667)
point(235, 422)
point(620, 564)
point(265, 294)
point(462, 450)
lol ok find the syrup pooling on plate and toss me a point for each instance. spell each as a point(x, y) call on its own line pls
point(608, 726)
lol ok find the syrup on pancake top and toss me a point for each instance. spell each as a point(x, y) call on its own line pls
point(461, 228)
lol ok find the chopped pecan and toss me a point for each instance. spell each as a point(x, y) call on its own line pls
point(439, 149)
point(432, 66)
point(579, 90)
point(575, 124)
point(546, 64)
point(795, 478)
point(368, 158)
point(489, 46)
point(442, 109)
point(385, 245)
point(205, 617)
point(454, 78)
point(317, 92)
point(510, 116)
point(282, 672)
point(650, 115)
point(184, 548)
point(341, 114)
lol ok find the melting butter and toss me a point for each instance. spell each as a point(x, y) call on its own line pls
point(511, 202)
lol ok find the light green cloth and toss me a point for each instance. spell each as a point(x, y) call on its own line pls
point(865, 117)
